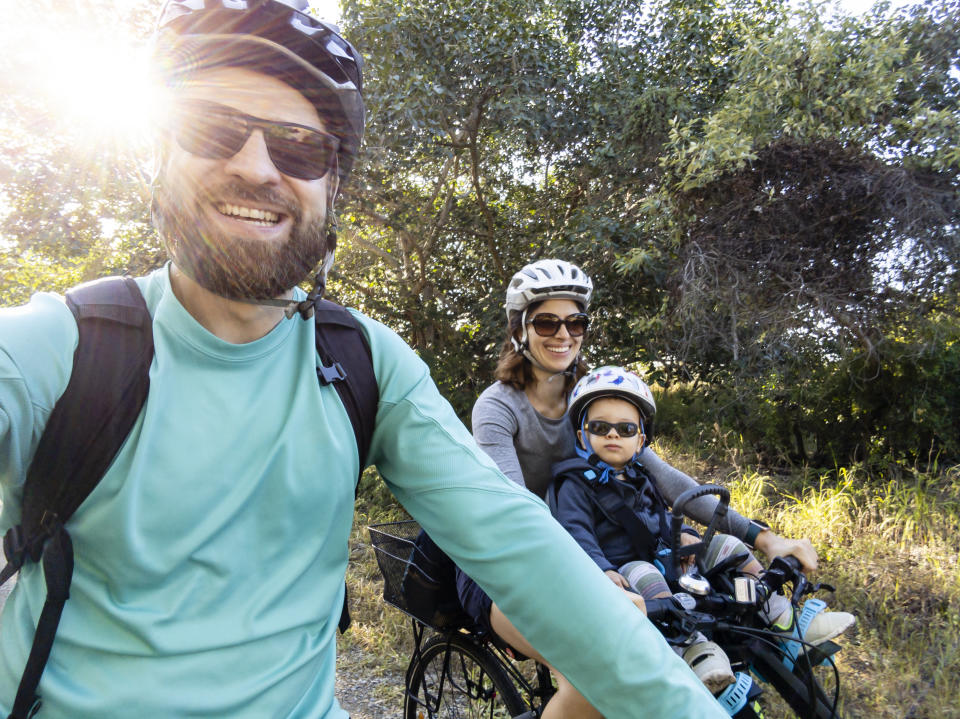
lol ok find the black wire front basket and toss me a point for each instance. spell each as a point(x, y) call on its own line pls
point(418, 578)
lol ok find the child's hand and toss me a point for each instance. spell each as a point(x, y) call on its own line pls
point(617, 579)
point(637, 600)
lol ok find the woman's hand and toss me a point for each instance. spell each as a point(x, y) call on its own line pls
point(773, 545)
point(687, 539)
point(617, 579)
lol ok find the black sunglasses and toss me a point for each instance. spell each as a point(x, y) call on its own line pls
point(547, 325)
point(602, 429)
point(217, 132)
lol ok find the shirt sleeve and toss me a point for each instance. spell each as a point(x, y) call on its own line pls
point(672, 483)
point(495, 428)
point(504, 537)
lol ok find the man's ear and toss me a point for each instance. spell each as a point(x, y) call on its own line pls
point(580, 438)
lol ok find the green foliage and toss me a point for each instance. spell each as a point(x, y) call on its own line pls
point(806, 223)
point(765, 197)
point(71, 208)
point(903, 405)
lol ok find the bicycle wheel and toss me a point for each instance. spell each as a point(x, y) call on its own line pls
point(800, 688)
point(458, 678)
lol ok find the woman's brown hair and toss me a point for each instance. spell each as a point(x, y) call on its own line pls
point(515, 370)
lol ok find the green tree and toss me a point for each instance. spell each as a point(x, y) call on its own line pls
point(811, 216)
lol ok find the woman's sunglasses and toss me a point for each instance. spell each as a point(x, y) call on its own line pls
point(217, 132)
point(602, 429)
point(547, 325)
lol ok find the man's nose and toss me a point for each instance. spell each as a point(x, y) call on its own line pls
point(252, 162)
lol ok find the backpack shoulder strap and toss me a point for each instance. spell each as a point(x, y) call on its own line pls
point(347, 363)
point(89, 423)
point(108, 386)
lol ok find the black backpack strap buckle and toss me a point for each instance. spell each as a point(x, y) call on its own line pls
point(16, 550)
point(50, 523)
point(331, 374)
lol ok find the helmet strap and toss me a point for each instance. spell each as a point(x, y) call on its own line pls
point(606, 471)
point(521, 345)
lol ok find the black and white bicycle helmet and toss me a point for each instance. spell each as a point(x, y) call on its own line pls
point(611, 381)
point(276, 37)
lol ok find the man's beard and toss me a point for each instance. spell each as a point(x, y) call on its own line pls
point(236, 267)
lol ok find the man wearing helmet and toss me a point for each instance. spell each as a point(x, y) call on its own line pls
point(210, 557)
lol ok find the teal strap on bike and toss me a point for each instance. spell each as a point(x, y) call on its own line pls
point(734, 697)
point(811, 608)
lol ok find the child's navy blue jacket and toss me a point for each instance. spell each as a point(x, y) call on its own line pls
point(603, 539)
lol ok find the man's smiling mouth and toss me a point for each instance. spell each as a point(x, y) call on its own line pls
point(263, 218)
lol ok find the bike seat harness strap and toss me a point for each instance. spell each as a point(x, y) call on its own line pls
point(611, 502)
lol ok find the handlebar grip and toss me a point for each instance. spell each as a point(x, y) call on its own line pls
point(660, 608)
point(793, 562)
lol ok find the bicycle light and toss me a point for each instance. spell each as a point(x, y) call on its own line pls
point(745, 590)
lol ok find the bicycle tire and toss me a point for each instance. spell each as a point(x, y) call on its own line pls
point(474, 685)
point(794, 686)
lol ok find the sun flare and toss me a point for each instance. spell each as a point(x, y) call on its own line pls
point(90, 76)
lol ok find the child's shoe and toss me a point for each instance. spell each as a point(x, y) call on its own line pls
point(709, 662)
point(823, 627)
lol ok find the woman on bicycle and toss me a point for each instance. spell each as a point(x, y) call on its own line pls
point(521, 422)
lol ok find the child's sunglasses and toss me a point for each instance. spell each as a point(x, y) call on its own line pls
point(602, 429)
point(218, 132)
point(547, 324)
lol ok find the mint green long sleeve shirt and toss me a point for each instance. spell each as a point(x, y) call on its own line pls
point(210, 558)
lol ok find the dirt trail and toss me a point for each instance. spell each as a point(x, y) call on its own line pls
point(364, 694)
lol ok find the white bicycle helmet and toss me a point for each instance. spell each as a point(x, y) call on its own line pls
point(611, 381)
point(548, 280)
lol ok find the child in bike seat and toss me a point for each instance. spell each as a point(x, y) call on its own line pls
point(617, 513)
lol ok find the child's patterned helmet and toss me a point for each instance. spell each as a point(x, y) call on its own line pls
point(611, 381)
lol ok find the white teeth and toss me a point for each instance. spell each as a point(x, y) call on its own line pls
point(558, 350)
point(250, 213)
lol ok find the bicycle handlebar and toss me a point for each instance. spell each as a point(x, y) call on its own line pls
point(676, 522)
point(688, 612)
